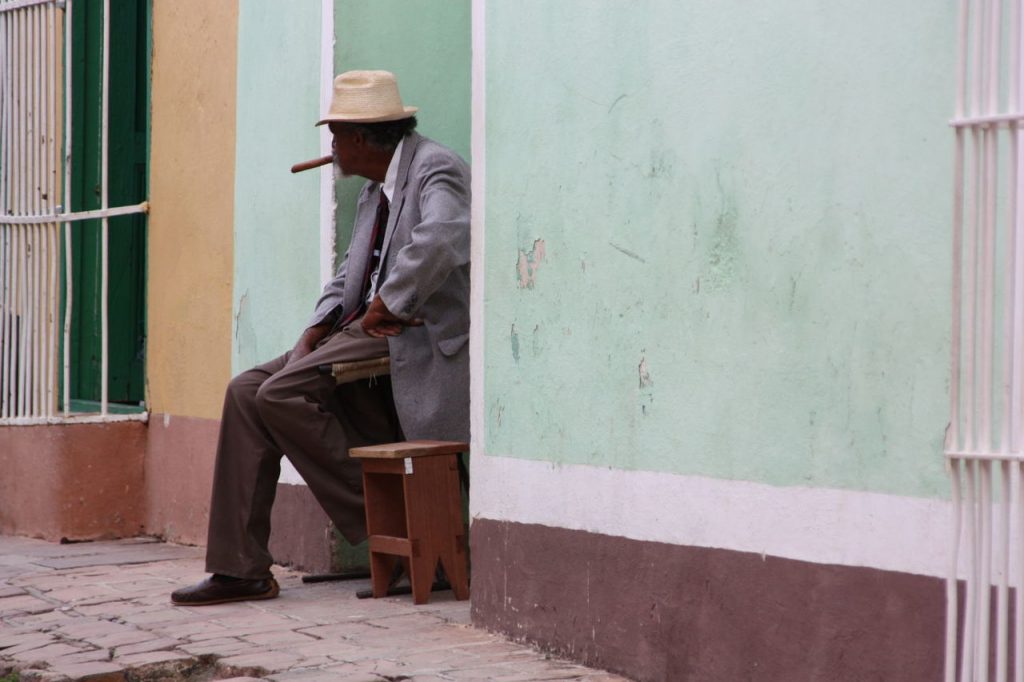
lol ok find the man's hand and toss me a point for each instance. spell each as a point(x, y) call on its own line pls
point(307, 342)
point(379, 322)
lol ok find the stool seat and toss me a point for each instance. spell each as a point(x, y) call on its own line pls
point(412, 448)
point(414, 514)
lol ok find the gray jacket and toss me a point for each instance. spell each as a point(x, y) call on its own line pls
point(426, 266)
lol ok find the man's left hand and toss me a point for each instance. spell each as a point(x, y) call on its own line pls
point(379, 322)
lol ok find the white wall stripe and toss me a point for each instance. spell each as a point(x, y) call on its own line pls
point(820, 525)
point(478, 141)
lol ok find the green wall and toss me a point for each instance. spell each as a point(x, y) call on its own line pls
point(426, 44)
point(717, 238)
point(277, 214)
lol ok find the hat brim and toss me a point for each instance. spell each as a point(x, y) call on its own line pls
point(363, 118)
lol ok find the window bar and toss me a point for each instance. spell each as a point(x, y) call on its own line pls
point(104, 203)
point(52, 246)
point(33, 242)
point(1015, 259)
point(971, 602)
point(983, 598)
point(951, 582)
point(32, 150)
point(68, 280)
point(970, 605)
point(1002, 594)
point(42, 246)
point(23, 161)
point(984, 593)
point(5, 165)
point(1011, 366)
point(22, 289)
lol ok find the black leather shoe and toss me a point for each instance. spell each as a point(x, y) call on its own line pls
point(218, 589)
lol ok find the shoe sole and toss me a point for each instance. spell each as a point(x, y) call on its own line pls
point(274, 590)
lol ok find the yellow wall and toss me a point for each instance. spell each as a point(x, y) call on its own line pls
point(192, 199)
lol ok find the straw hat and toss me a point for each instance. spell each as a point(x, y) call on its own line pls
point(366, 97)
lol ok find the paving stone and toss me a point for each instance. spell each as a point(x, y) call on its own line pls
point(10, 591)
point(86, 628)
point(24, 603)
point(158, 644)
point(40, 621)
point(257, 663)
point(91, 672)
point(40, 675)
point(193, 630)
point(243, 679)
point(149, 658)
point(481, 673)
point(331, 674)
point(43, 654)
point(156, 616)
point(124, 637)
point(336, 648)
point(277, 640)
point(29, 643)
point(20, 637)
point(334, 630)
point(83, 656)
point(220, 647)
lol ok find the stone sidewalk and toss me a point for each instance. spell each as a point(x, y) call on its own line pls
point(101, 611)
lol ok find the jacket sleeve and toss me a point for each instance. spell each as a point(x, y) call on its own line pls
point(329, 307)
point(439, 243)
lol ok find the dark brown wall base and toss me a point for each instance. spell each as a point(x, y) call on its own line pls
point(655, 611)
point(74, 481)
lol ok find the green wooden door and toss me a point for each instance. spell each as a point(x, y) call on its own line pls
point(127, 177)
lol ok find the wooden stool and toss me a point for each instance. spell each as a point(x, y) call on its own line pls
point(414, 514)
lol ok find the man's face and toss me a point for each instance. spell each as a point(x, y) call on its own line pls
point(346, 148)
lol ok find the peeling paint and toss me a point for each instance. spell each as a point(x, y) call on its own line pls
point(514, 337)
point(645, 376)
point(529, 263)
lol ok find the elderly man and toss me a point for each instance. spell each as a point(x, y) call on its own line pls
point(402, 290)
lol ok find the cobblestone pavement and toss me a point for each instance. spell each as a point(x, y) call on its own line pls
point(101, 611)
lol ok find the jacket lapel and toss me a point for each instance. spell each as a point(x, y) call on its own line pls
point(412, 141)
point(366, 212)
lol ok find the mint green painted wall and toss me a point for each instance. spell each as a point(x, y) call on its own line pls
point(277, 214)
point(426, 44)
point(717, 238)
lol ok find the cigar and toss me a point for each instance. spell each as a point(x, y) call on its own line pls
point(312, 163)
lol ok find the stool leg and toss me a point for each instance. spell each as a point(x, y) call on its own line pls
point(381, 568)
point(422, 571)
point(454, 562)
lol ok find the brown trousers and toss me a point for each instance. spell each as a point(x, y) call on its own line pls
point(293, 409)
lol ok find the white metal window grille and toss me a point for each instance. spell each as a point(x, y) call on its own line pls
point(984, 440)
point(35, 188)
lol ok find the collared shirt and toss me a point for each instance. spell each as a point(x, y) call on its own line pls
point(390, 180)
